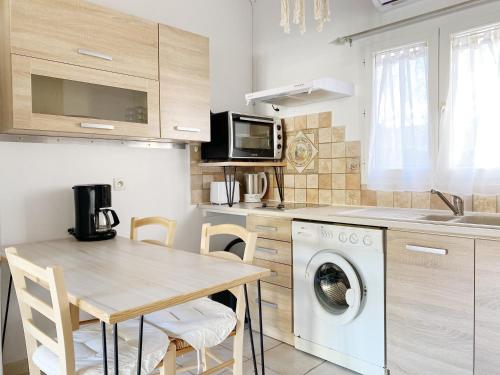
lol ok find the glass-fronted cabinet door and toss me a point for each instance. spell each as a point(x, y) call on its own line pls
point(61, 98)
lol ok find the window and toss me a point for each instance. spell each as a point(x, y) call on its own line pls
point(469, 157)
point(400, 151)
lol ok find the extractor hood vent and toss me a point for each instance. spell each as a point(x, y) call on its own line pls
point(303, 93)
point(390, 4)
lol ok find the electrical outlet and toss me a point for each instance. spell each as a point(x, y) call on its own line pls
point(118, 184)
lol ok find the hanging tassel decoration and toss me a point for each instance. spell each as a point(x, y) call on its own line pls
point(299, 15)
point(322, 13)
point(285, 16)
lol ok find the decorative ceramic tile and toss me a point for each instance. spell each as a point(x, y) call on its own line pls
point(313, 121)
point(353, 149)
point(338, 150)
point(207, 179)
point(196, 182)
point(385, 199)
point(353, 197)
point(300, 196)
point(402, 199)
point(312, 196)
point(368, 198)
point(196, 196)
point(289, 124)
point(338, 134)
point(325, 166)
point(421, 200)
point(300, 123)
point(325, 135)
point(339, 165)
point(325, 181)
point(289, 195)
point(312, 181)
point(289, 181)
point(300, 181)
point(325, 120)
point(325, 151)
point(338, 181)
point(338, 197)
point(301, 152)
point(325, 196)
point(485, 203)
point(353, 181)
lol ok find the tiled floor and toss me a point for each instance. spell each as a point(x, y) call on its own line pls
point(280, 359)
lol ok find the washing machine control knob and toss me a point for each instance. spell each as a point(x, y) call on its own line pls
point(354, 238)
point(367, 240)
point(343, 237)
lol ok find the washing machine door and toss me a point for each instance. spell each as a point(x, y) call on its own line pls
point(336, 288)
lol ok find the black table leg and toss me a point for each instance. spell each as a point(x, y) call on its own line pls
point(104, 349)
point(4, 326)
point(260, 326)
point(250, 331)
point(115, 333)
point(139, 355)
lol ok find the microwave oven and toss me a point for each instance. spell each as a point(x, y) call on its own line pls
point(238, 136)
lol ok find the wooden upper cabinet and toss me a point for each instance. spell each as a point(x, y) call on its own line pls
point(80, 33)
point(487, 359)
point(429, 304)
point(184, 85)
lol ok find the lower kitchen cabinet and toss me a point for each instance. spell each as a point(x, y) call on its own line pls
point(487, 334)
point(430, 304)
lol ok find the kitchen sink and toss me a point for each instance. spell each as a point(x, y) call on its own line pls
point(438, 218)
point(480, 220)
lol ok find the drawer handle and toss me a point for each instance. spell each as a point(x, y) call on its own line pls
point(274, 274)
point(97, 126)
point(99, 55)
point(265, 228)
point(267, 304)
point(426, 250)
point(267, 251)
point(188, 130)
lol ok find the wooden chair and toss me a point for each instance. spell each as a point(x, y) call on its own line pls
point(66, 354)
point(180, 347)
point(169, 225)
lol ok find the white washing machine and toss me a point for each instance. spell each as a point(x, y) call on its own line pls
point(339, 302)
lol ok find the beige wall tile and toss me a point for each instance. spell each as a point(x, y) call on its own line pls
point(325, 196)
point(325, 135)
point(353, 165)
point(498, 204)
point(300, 196)
point(325, 120)
point(338, 181)
point(312, 196)
point(196, 182)
point(325, 150)
point(300, 181)
point(195, 168)
point(205, 196)
point(339, 165)
point(196, 196)
point(338, 197)
point(353, 181)
point(325, 166)
point(289, 180)
point(353, 149)
point(289, 124)
point(207, 179)
point(289, 195)
point(402, 199)
point(300, 123)
point(313, 121)
point(437, 203)
point(194, 153)
point(338, 134)
point(484, 203)
point(353, 197)
point(312, 181)
point(385, 199)
point(421, 200)
point(368, 198)
point(325, 181)
point(338, 150)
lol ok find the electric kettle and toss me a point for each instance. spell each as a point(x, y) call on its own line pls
point(255, 187)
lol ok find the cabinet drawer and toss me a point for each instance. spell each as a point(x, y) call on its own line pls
point(276, 311)
point(281, 273)
point(429, 304)
point(274, 251)
point(273, 228)
point(80, 33)
point(82, 100)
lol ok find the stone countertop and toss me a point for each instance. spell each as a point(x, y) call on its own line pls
point(391, 218)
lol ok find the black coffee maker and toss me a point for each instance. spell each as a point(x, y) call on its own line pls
point(92, 209)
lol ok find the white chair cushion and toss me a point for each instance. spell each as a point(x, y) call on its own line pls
point(89, 354)
point(202, 323)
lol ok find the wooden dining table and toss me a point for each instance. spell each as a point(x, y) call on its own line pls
point(121, 279)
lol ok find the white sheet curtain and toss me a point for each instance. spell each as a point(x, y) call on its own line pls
point(469, 149)
point(400, 154)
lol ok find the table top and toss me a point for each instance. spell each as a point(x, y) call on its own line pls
point(121, 279)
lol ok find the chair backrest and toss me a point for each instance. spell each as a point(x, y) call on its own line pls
point(249, 238)
point(169, 225)
point(51, 279)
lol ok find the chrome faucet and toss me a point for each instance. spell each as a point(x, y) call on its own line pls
point(457, 206)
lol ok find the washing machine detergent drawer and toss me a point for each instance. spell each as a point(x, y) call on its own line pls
point(339, 289)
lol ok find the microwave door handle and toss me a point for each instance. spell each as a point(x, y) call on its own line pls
point(256, 120)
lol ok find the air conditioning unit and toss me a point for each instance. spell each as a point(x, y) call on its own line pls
point(385, 5)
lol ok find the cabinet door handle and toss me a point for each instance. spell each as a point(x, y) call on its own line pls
point(267, 304)
point(99, 55)
point(189, 130)
point(96, 126)
point(274, 274)
point(265, 228)
point(426, 250)
point(267, 251)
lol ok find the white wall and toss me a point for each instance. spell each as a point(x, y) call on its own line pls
point(36, 179)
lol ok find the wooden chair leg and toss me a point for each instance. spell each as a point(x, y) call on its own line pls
point(169, 366)
point(203, 355)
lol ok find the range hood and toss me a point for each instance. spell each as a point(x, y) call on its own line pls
point(303, 93)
